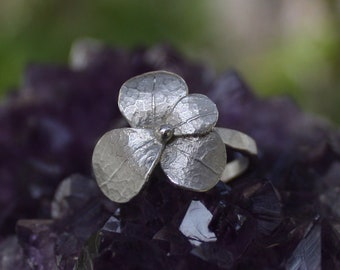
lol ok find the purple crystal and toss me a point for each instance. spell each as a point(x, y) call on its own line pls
point(72, 194)
point(330, 248)
point(281, 214)
point(37, 238)
point(307, 254)
point(195, 224)
point(11, 255)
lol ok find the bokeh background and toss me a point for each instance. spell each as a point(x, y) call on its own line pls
point(289, 47)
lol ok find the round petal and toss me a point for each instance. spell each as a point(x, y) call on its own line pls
point(192, 115)
point(195, 163)
point(147, 99)
point(123, 160)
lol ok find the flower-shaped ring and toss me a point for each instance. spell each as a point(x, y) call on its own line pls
point(171, 127)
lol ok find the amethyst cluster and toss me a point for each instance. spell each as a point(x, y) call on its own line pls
point(284, 213)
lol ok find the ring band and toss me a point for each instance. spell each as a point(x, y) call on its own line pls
point(242, 143)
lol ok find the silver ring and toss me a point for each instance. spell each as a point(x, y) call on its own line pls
point(170, 127)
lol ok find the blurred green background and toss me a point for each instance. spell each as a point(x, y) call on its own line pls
point(281, 47)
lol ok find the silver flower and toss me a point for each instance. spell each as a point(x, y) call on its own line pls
point(167, 125)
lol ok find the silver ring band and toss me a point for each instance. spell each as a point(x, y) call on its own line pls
point(242, 143)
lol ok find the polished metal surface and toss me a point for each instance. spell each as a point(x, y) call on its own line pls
point(193, 114)
point(123, 160)
point(241, 142)
point(165, 132)
point(195, 163)
point(172, 127)
point(237, 140)
point(147, 99)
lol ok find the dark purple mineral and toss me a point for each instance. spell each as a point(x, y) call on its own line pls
point(282, 214)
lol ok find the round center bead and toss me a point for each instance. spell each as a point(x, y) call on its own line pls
point(165, 132)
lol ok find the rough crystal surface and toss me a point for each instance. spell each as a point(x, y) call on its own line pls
point(307, 254)
point(195, 224)
point(281, 210)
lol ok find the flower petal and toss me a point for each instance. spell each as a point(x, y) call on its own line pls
point(146, 100)
point(195, 163)
point(123, 160)
point(192, 115)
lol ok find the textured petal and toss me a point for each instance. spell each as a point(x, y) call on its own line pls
point(193, 114)
point(146, 100)
point(195, 163)
point(123, 160)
